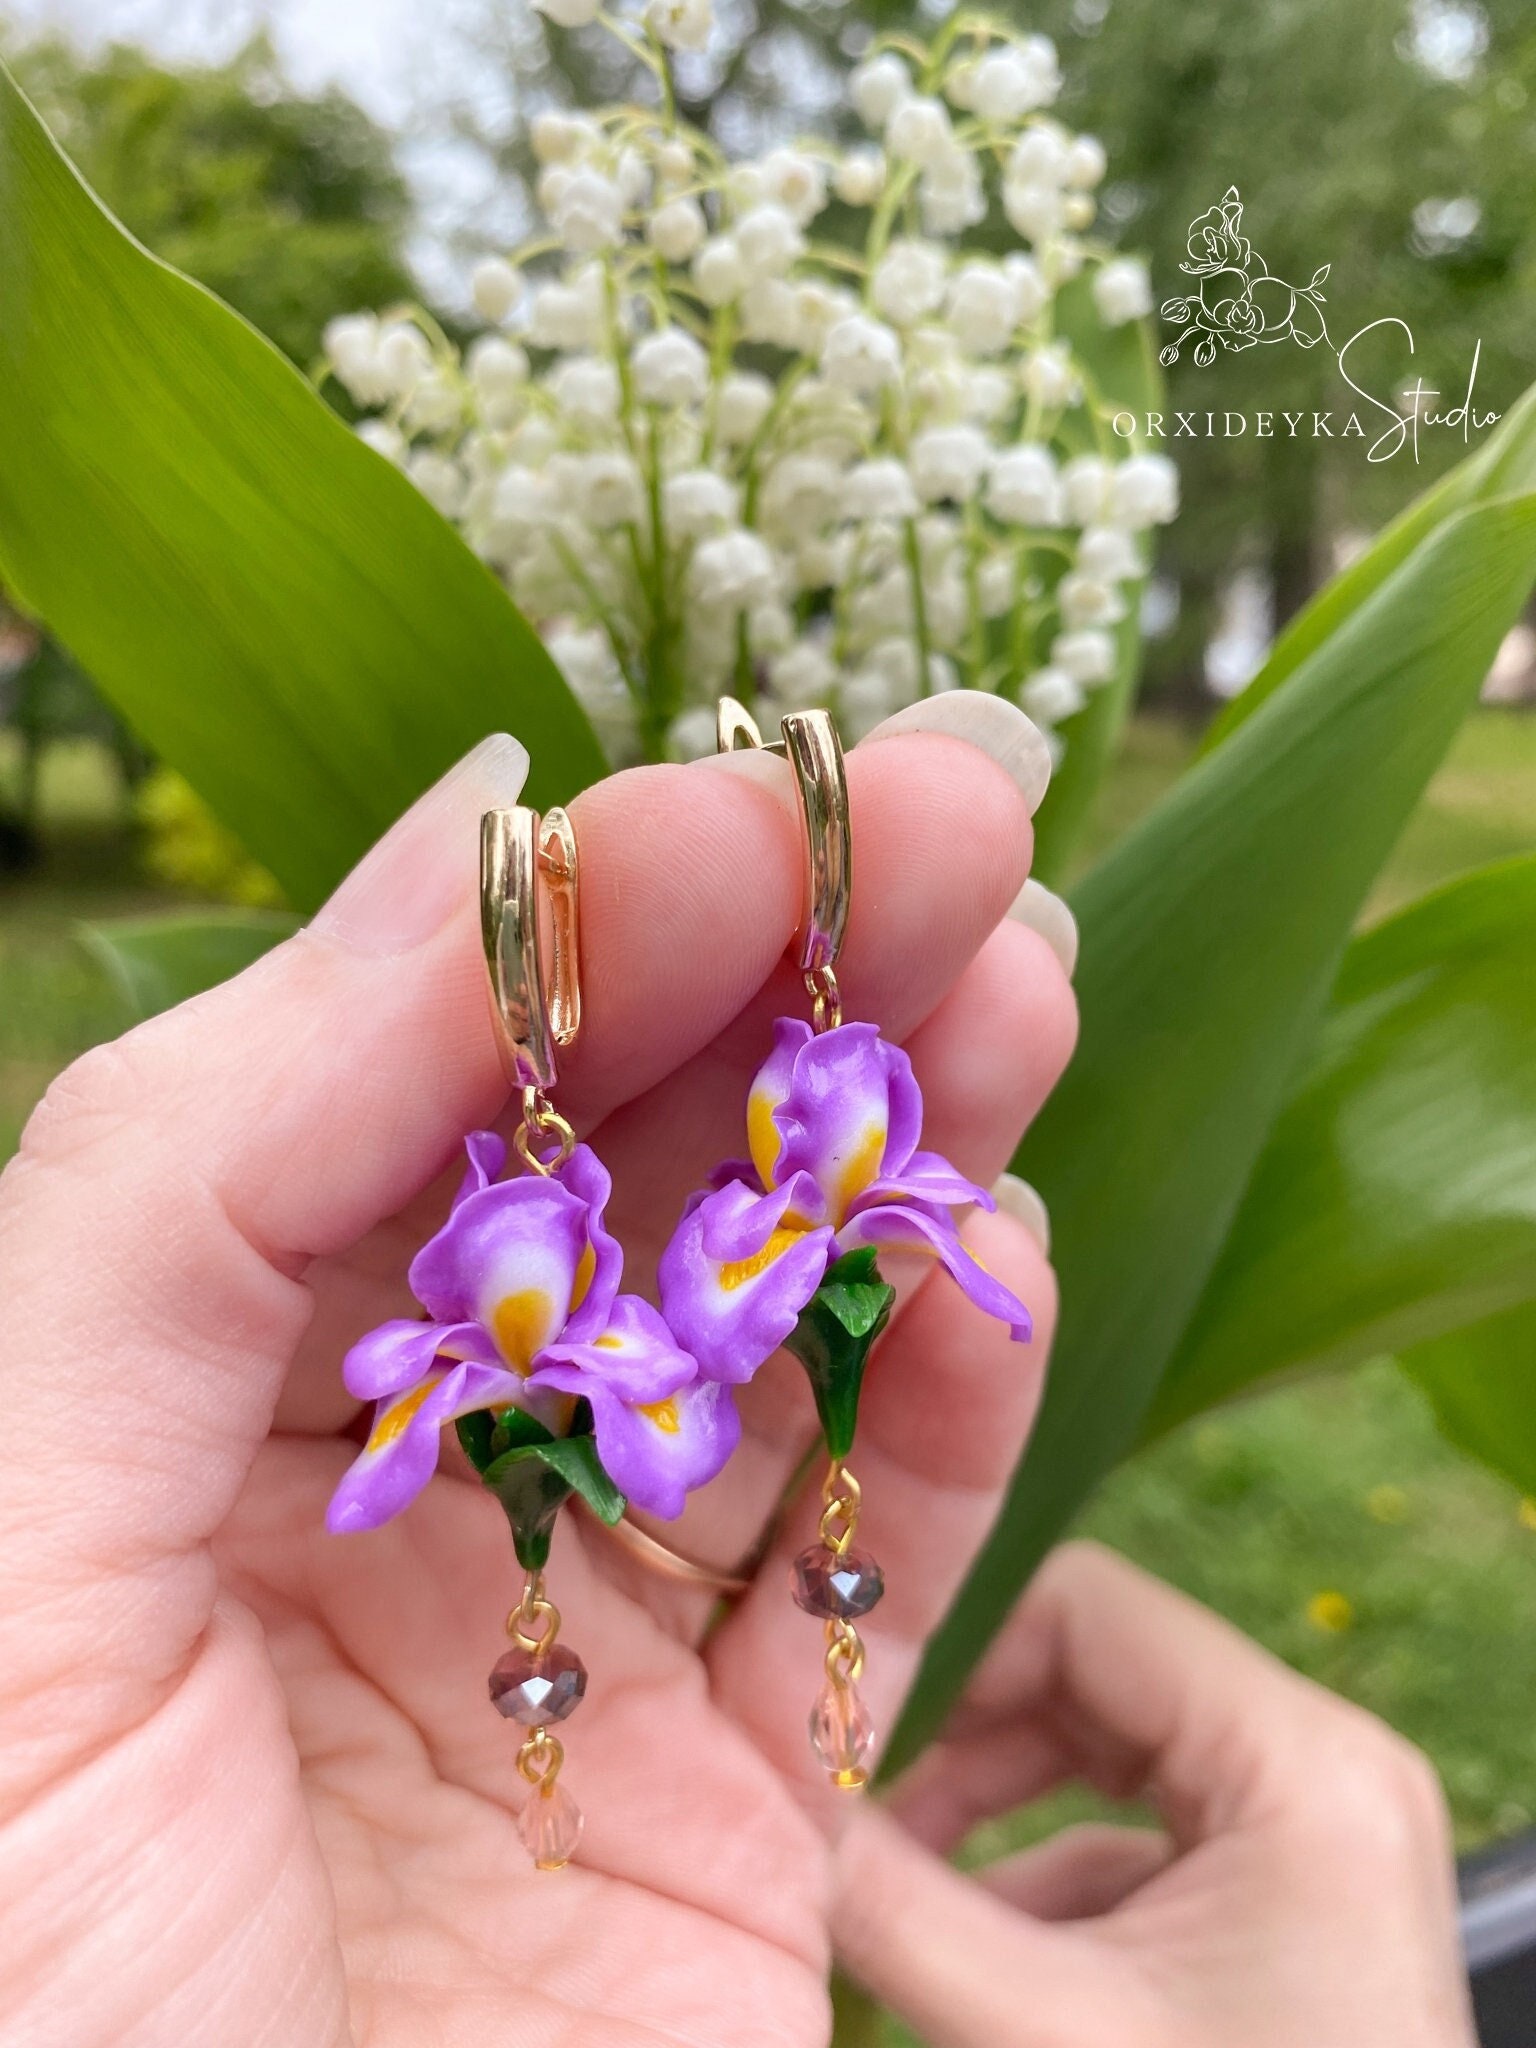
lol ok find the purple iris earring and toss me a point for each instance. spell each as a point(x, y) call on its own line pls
point(783, 1247)
point(557, 1383)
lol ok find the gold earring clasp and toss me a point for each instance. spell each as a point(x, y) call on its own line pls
point(533, 1016)
point(815, 754)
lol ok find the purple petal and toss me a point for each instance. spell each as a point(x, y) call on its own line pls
point(738, 1228)
point(509, 1259)
point(735, 1278)
point(657, 1453)
point(907, 1228)
point(401, 1452)
point(926, 1177)
point(770, 1085)
point(397, 1354)
point(487, 1158)
point(636, 1358)
point(853, 1114)
point(597, 1280)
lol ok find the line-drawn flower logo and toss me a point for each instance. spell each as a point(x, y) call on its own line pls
point(1239, 302)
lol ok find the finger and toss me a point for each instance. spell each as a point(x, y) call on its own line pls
point(985, 1060)
point(961, 1968)
point(185, 1177)
point(692, 883)
point(1080, 1873)
point(945, 1412)
point(1106, 1674)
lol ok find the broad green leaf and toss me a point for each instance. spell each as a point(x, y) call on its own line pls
point(1122, 362)
point(834, 1337)
point(158, 962)
point(1210, 936)
point(1503, 467)
point(275, 608)
point(1396, 1197)
point(1481, 1381)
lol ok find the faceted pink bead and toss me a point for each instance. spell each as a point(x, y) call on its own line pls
point(842, 1734)
point(538, 1688)
point(836, 1588)
point(550, 1825)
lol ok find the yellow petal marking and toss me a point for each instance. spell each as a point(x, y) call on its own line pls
point(737, 1272)
point(393, 1423)
point(763, 1139)
point(860, 1168)
point(607, 1342)
point(662, 1413)
point(520, 1323)
point(586, 1266)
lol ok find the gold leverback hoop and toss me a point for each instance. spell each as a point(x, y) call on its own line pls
point(533, 1016)
point(815, 753)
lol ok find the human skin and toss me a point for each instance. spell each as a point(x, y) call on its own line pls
point(1298, 1893)
point(251, 1787)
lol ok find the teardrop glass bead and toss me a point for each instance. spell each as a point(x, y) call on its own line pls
point(550, 1825)
point(842, 1734)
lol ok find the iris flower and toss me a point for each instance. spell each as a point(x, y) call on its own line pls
point(523, 1311)
point(833, 1124)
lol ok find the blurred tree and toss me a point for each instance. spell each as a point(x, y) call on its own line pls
point(1394, 140)
point(288, 206)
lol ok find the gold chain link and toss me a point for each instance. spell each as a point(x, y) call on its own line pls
point(540, 1758)
point(840, 1497)
point(541, 1120)
point(534, 1608)
point(826, 998)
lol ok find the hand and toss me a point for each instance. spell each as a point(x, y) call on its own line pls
point(251, 1787)
point(1299, 1894)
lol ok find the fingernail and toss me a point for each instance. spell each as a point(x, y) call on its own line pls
point(406, 888)
point(1016, 1198)
point(999, 728)
point(1045, 912)
point(752, 764)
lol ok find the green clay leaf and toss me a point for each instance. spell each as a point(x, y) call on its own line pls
point(834, 1337)
point(575, 1459)
point(533, 1475)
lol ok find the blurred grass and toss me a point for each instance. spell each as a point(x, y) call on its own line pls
point(1338, 1489)
point(54, 1000)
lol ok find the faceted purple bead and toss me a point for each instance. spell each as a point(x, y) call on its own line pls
point(535, 1689)
point(836, 1588)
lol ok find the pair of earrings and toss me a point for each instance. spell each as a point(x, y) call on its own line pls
point(560, 1385)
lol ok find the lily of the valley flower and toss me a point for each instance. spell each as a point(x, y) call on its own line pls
point(521, 1290)
point(833, 1124)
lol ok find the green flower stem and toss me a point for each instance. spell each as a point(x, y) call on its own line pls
point(919, 608)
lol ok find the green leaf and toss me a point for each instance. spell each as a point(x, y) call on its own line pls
point(1481, 1381)
point(536, 1476)
point(575, 1459)
point(1396, 1198)
point(1210, 936)
point(276, 609)
point(158, 962)
point(531, 1493)
point(833, 1339)
point(1503, 467)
